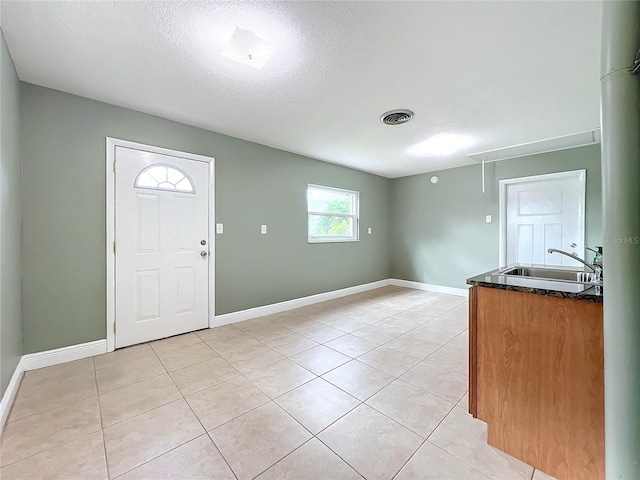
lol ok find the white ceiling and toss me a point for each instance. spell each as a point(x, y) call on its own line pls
point(501, 73)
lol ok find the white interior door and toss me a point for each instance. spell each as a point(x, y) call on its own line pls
point(161, 244)
point(542, 212)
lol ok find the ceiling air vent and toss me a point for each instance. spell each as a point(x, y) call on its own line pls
point(396, 117)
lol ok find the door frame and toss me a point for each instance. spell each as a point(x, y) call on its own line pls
point(571, 174)
point(111, 144)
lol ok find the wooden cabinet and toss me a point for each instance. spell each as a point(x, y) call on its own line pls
point(536, 377)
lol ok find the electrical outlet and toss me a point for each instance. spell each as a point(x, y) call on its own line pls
point(219, 228)
point(487, 219)
point(263, 229)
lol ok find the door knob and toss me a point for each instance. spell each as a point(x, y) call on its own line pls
point(203, 254)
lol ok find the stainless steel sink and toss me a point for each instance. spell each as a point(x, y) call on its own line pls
point(552, 274)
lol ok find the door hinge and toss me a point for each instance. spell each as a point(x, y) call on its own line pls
point(114, 166)
point(114, 327)
point(114, 247)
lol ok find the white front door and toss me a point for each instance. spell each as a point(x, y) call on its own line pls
point(161, 244)
point(542, 212)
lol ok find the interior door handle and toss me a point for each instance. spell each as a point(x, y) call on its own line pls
point(203, 254)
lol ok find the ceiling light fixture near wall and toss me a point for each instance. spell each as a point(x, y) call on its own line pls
point(441, 145)
point(248, 48)
point(396, 117)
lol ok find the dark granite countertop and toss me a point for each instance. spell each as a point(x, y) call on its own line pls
point(554, 288)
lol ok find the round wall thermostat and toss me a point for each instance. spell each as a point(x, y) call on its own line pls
point(434, 179)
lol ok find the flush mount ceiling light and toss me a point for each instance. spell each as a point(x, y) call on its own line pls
point(248, 48)
point(441, 145)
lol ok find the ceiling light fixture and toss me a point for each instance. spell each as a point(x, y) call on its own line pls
point(248, 48)
point(441, 145)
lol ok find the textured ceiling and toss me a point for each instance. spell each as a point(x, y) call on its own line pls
point(499, 73)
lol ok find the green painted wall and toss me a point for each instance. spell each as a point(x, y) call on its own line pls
point(63, 154)
point(439, 234)
point(422, 232)
point(10, 212)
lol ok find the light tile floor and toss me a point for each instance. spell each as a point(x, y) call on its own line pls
point(371, 385)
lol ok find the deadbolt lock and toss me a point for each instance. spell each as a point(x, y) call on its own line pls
point(203, 242)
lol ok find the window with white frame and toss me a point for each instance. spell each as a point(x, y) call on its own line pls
point(164, 177)
point(333, 214)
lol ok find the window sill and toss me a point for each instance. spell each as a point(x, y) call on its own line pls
point(332, 240)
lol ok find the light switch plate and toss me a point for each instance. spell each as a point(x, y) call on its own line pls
point(219, 228)
point(487, 219)
point(369, 230)
point(263, 229)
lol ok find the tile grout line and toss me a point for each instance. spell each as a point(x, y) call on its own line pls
point(295, 420)
point(273, 400)
point(66, 404)
point(52, 381)
point(132, 384)
point(277, 462)
point(101, 429)
point(180, 348)
point(313, 436)
point(208, 386)
point(146, 411)
point(206, 432)
point(237, 416)
point(402, 425)
point(48, 410)
point(293, 361)
point(69, 441)
point(363, 402)
point(461, 460)
point(355, 358)
point(50, 448)
point(421, 445)
point(104, 442)
point(174, 401)
point(283, 393)
point(454, 404)
point(451, 453)
point(336, 453)
point(10, 420)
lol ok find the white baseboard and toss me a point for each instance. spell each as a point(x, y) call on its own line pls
point(250, 313)
point(32, 361)
point(461, 292)
point(10, 394)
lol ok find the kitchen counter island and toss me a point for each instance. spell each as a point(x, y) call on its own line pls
point(536, 372)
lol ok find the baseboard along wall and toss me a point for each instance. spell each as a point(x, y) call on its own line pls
point(33, 361)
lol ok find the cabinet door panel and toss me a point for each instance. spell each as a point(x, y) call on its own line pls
point(540, 379)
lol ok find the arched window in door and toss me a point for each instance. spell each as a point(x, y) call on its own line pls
point(164, 177)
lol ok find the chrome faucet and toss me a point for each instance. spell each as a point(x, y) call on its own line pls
point(597, 269)
point(598, 254)
point(597, 259)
